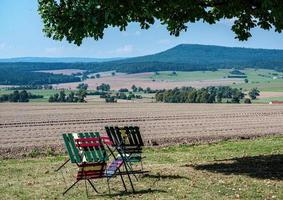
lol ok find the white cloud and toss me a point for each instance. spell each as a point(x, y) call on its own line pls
point(126, 49)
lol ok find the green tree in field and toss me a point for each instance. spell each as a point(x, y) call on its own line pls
point(247, 101)
point(56, 97)
point(23, 96)
point(113, 73)
point(14, 97)
point(203, 95)
point(81, 94)
point(134, 88)
point(97, 76)
point(84, 77)
point(51, 99)
point(253, 93)
point(192, 97)
point(71, 97)
point(82, 86)
point(103, 87)
point(76, 20)
point(140, 89)
point(246, 80)
point(62, 96)
point(237, 95)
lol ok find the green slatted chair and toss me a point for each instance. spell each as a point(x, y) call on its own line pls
point(88, 152)
point(129, 141)
point(73, 151)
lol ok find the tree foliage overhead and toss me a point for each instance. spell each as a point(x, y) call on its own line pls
point(76, 20)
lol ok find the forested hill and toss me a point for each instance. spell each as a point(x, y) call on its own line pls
point(183, 57)
point(56, 60)
point(203, 57)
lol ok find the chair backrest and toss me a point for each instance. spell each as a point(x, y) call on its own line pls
point(85, 147)
point(73, 151)
point(92, 147)
point(125, 136)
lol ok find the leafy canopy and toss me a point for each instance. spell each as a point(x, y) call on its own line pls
point(79, 19)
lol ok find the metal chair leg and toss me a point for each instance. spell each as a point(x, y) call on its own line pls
point(136, 177)
point(108, 184)
point(141, 165)
point(123, 181)
point(129, 177)
point(92, 186)
point(56, 170)
point(86, 190)
point(71, 187)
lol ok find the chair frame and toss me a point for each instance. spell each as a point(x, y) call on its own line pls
point(88, 149)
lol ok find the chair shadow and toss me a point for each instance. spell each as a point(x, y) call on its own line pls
point(160, 176)
point(261, 167)
point(137, 192)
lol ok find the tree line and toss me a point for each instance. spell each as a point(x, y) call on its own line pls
point(19, 96)
point(204, 95)
point(72, 97)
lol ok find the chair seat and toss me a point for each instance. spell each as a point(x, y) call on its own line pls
point(130, 157)
point(113, 167)
point(91, 170)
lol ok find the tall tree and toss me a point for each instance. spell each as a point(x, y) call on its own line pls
point(76, 20)
point(253, 93)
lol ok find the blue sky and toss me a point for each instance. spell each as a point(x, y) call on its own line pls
point(21, 35)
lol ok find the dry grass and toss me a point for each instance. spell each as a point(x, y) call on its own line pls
point(249, 169)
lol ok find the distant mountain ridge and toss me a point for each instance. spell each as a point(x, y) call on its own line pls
point(190, 57)
point(184, 57)
point(57, 60)
point(192, 53)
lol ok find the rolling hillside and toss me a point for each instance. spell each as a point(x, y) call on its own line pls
point(189, 57)
point(56, 60)
point(184, 57)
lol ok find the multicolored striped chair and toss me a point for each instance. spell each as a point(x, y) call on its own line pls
point(87, 151)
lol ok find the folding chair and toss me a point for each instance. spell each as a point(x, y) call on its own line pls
point(128, 142)
point(87, 151)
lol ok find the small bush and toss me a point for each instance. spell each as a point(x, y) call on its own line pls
point(247, 100)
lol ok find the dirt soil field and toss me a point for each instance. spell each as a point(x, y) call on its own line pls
point(25, 127)
point(141, 79)
point(63, 71)
point(270, 94)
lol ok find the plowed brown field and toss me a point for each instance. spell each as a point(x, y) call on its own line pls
point(24, 127)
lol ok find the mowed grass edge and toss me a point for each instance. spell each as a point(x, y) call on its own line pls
point(245, 169)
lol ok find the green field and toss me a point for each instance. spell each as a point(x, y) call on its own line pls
point(267, 100)
point(245, 169)
point(190, 76)
point(46, 93)
point(260, 78)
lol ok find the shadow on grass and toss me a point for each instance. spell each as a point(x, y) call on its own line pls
point(137, 192)
point(262, 167)
point(160, 176)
